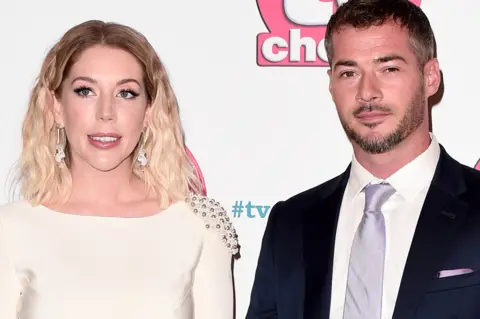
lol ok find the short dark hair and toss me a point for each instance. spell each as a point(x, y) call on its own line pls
point(362, 14)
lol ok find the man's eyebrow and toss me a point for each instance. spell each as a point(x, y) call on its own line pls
point(388, 58)
point(344, 63)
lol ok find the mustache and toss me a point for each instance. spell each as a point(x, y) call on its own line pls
point(370, 108)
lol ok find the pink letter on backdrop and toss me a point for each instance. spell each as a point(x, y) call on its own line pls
point(296, 31)
point(477, 166)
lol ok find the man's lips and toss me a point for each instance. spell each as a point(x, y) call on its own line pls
point(372, 115)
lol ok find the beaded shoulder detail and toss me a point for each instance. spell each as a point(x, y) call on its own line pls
point(215, 218)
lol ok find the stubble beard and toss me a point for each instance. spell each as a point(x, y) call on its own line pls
point(411, 121)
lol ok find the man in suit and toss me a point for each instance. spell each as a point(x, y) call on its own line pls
point(397, 235)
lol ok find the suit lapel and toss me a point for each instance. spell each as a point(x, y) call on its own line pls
point(442, 214)
point(320, 225)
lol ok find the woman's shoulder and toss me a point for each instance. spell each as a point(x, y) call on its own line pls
point(15, 207)
point(215, 219)
point(13, 211)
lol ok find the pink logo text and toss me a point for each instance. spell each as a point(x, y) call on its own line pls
point(296, 31)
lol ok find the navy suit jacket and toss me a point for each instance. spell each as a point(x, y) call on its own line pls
point(293, 279)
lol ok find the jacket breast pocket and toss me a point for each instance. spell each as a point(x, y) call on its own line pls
point(451, 297)
point(455, 282)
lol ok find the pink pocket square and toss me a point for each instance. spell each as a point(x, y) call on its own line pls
point(453, 272)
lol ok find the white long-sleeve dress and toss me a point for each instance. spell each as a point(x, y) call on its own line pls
point(172, 265)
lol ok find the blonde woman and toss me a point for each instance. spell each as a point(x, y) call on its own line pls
point(111, 223)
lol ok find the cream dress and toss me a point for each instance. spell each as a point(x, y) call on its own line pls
point(172, 265)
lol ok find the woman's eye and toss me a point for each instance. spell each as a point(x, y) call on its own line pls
point(83, 91)
point(128, 94)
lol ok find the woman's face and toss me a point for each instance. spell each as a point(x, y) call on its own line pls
point(103, 108)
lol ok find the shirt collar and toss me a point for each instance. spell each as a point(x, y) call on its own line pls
point(408, 181)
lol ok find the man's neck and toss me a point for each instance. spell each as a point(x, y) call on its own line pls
point(386, 164)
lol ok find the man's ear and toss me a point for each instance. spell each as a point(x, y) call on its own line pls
point(329, 72)
point(432, 77)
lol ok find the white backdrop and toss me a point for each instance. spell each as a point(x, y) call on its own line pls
point(260, 133)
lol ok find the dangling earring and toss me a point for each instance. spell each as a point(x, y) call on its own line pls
point(59, 149)
point(142, 154)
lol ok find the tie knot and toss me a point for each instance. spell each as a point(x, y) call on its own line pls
point(376, 195)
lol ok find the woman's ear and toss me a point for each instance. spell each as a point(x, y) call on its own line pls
point(55, 107)
point(147, 117)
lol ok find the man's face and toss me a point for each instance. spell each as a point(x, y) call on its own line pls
point(379, 89)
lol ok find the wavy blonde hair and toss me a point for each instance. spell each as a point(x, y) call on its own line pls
point(170, 174)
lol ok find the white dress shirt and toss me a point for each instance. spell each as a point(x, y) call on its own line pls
point(401, 213)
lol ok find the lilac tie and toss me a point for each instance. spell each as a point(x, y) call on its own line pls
point(363, 299)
